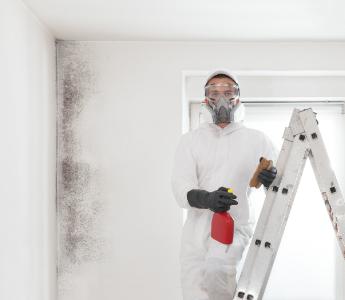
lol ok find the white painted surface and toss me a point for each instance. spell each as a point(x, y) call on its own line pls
point(219, 20)
point(28, 120)
point(131, 127)
point(27, 126)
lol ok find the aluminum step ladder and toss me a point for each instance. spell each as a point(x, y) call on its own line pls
point(302, 140)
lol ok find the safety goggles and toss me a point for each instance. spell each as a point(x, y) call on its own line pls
point(229, 92)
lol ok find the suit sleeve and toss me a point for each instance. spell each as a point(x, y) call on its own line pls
point(184, 175)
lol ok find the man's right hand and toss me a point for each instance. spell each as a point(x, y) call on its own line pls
point(217, 201)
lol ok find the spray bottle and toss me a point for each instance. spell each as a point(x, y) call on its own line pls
point(222, 226)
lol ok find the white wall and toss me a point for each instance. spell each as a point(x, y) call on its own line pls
point(148, 80)
point(27, 160)
point(130, 127)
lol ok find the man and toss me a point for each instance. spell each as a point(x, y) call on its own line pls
point(220, 154)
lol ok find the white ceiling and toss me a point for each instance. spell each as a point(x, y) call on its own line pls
point(202, 20)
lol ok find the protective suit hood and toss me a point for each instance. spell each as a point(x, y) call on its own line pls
point(214, 73)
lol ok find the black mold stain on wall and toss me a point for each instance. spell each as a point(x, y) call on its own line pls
point(78, 204)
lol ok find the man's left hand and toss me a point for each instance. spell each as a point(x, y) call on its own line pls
point(266, 177)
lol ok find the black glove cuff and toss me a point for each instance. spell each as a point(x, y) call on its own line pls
point(198, 198)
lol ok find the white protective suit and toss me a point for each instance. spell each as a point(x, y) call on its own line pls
point(208, 158)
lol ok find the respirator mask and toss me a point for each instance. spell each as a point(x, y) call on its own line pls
point(222, 101)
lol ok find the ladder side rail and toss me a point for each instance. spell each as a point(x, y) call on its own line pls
point(279, 216)
point(252, 283)
point(294, 126)
point(265, 212)
point(325, 177)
